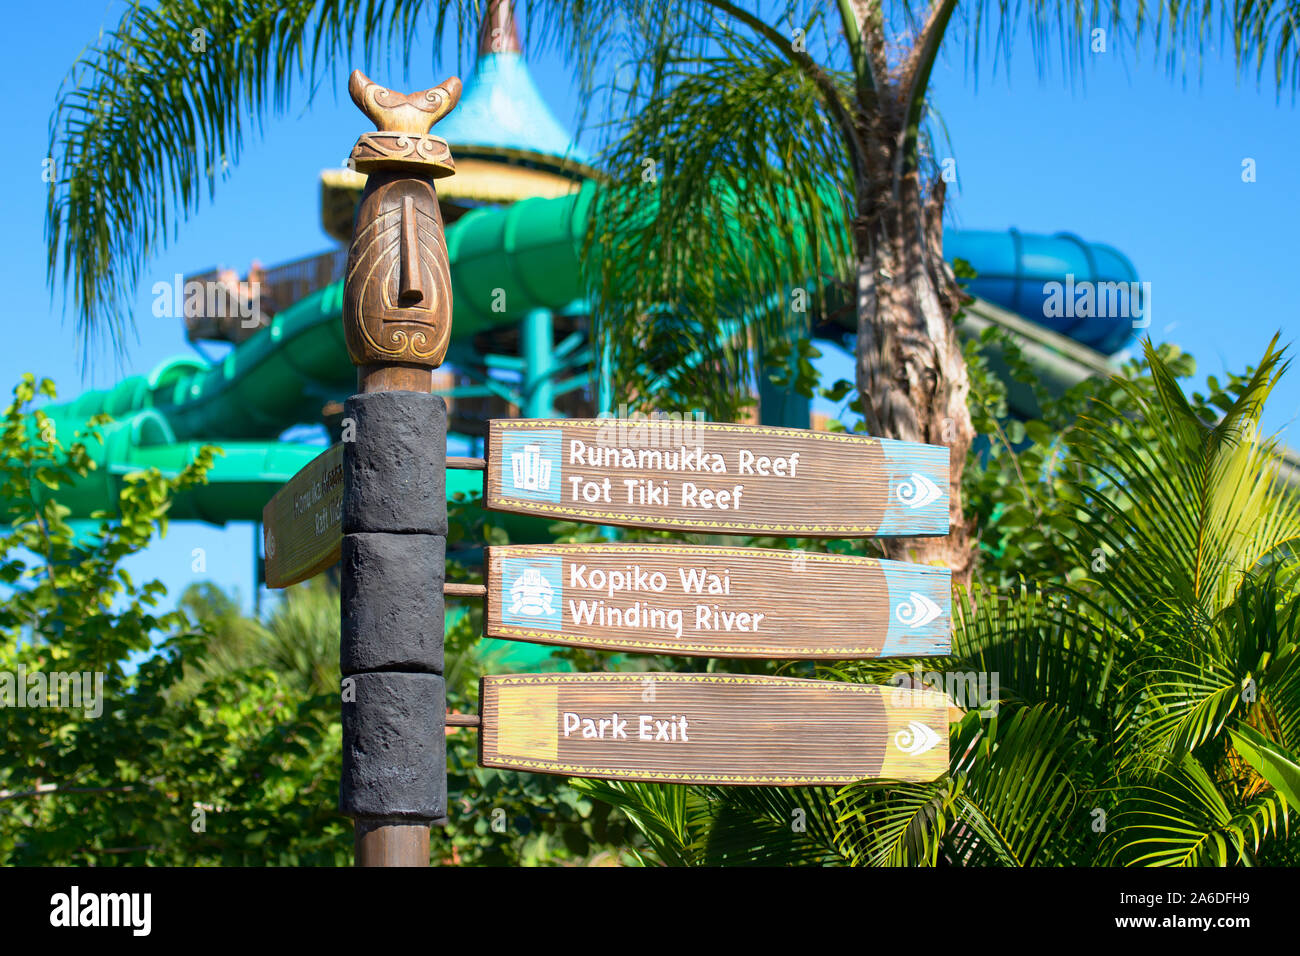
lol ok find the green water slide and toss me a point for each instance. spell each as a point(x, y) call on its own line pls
point(507, 263)
point(283, 375)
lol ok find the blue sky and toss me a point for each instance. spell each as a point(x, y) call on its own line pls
point(1131, 157)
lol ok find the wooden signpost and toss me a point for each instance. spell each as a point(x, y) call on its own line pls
point(302, 526)
point(716, 601)
point(397, 313)
point(716, 478)
point(377, 504)
point(712, 729)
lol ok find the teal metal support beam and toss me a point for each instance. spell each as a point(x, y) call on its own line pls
point(537, 348)
point(574, 340)
point(507, 363)
point(781, 407)
point(603, 370)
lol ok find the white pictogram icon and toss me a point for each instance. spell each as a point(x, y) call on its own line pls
point(530, 471)
point(531, 594)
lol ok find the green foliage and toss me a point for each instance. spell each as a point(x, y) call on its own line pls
point(1137, 605)
point(77, 776)
point(1146, 710)
point(735, 224)
point(219, 738)
point(714, 826)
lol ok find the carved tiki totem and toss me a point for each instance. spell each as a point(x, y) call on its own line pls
point(397, 295)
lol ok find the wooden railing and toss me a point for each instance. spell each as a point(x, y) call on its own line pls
point(234, 309)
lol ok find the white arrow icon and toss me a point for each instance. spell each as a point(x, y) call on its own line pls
point(917, 611)
point(916, 491)
point(915, 738)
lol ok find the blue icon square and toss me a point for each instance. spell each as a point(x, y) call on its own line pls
point(530, 465)
point(532, 592)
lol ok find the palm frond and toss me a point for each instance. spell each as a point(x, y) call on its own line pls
point(1257, 32)
point(729, 192)
point(1181, 819)
point(1271, 761)
point(1007, 794)
point(1014, 788)
point(772, 826)
point(1187, 519)
point(902, 825)
point(303, 637)
point(1046, 647)
point(156, 111)
point(1271, 29)
point(672, 818)
point(1196, 678)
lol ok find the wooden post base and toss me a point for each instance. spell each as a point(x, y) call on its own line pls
point(391, 844)
point(395, 378)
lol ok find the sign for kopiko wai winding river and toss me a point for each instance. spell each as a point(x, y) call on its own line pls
point(717, 601)
point(713, 728)
point(709, 477)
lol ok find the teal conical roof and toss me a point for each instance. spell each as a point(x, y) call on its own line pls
point(501, 111)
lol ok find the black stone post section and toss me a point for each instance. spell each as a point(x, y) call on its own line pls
point(392, 602)
point(395, 469)
point(394, 544)
point(394, 752)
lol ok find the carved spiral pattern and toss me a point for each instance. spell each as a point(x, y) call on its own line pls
point(374, 148)
point(386, 328)
point(394, 112)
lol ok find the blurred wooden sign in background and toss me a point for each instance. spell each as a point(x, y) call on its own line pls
point(302, 526)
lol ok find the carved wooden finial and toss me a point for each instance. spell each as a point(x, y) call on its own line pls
point(402, 122)
point(392, 112)
point(397, 295)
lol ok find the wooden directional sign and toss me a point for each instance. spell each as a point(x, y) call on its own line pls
point(302, 526)
point(717, 601)
point(729, 479)
point(712, 728)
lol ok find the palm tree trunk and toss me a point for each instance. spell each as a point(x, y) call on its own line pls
point(911, 373)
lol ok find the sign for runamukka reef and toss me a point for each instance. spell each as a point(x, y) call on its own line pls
point(711, 477)
point(717, 601)
point(712, 728)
